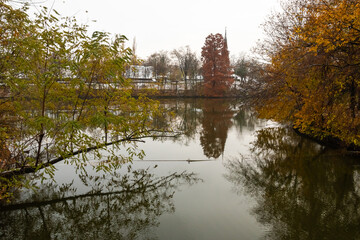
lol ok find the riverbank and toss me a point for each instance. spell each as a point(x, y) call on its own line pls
point(333, 142)
point(191, 93)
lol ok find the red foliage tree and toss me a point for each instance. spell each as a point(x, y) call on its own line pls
point(216, 66)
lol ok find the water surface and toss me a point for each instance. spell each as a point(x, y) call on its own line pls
point(229, 176)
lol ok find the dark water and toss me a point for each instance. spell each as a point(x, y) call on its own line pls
point(229, 176)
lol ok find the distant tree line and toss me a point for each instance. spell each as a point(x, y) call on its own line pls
point(184, 65)
point(178, 65)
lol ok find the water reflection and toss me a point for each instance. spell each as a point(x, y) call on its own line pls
point(302, 190)
point(216, 122)
point(188, 117)
point(117, 206)
point(209, 121)
point(244, 118)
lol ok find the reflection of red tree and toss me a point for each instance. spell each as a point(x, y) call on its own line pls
point(215, 125)
point(216, 66)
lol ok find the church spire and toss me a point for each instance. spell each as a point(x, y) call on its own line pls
point(225, 39)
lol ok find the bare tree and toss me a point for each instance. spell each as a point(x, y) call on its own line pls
point(241, 67)
point(160, 61)
point(188, 63)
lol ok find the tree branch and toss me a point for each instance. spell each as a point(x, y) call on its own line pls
point(32, 169)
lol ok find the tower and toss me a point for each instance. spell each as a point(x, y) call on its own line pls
point(225, 40)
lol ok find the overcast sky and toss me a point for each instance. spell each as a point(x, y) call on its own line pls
point(169, 24)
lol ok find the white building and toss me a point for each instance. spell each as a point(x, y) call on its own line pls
point(140, 72)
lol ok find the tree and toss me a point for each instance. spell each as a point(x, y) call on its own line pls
point(187, 62)
point(160, 61)
point(313, 73)
point(216, 68)
point(241, 68)
point(64, 84)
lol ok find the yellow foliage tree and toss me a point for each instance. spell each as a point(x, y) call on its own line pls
point(313, 75)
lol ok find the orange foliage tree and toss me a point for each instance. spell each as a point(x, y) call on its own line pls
point(313, 75)
point(216, 66)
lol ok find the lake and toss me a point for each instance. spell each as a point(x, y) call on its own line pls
point(228, 176)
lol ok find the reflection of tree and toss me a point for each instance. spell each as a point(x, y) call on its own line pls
point(190, 117)
point(211, 118)
point(216, 122)
point(117, 207)
point(245, 118)
point(185, 119)
point(302, 191)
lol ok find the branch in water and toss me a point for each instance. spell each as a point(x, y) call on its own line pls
point(32, 169)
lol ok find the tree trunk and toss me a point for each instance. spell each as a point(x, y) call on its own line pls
point(358, 103)
point(185, 80)
point(353, 98)
point(106, 125)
